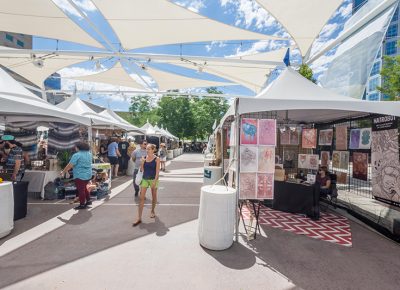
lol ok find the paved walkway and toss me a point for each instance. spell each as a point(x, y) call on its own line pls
point(99, 249)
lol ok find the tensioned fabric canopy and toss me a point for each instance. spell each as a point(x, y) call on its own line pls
point(108, 114)
point(23, 64)
point(303, 20)
point(41, 18)
point(18, 104)
point(116, 76)
point(136, 23)
point(148, 129)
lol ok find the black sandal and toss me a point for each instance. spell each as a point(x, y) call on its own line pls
point(136, 223)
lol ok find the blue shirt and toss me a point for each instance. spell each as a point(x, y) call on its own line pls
point(112, 149)
point(82, 162)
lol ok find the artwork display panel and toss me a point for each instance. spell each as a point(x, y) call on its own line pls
point(289, 158)
point(340, 159)
point(266, 159)
point(336, 159)
point(294, 136)
point(325, 158)
point(265, 186)
point(302, 161)
point(325, 137)
point(309, 138)
point(354, 138)
point(248, 132)
point(267, 132)
point(248, 158)
point(313, 161)
point(285, 137)
point(341, 137)
point(360, 165)
point(365, 138)
point(248, 186)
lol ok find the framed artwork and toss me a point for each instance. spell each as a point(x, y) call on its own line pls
point(265, 186)
point(303, 161)
point(360, 165)
point(336, 159)
point(248, 131)
point(285, 136)
point(309, 138)
point(354, 138)
point(341, 137)
point(267, 132)
point(248, 158)
point(313, 161)
point(294, 136)
point(248, 188)
point(325, 137)
point(266, 159)
point(365, 138)
point(325, 157)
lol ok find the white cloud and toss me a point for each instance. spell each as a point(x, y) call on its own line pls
point(345, 10)
point(260, 46)
point(329, 30)
point(193, 5)
point(213, 44)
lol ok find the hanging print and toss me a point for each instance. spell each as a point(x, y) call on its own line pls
point(294, 136)
point(325, 137)
point(336, 159)
point(285, 136)
point(365, 138)
point(354, 138)
point(248, 131)
point(309, 138)
point(267, 132)
point(248, 188)
point(344, 159)
point(289, 158)
point(266, 159)
point(325, 156)
point(248, 158)
point(303, 161)
point(341, 138)
point(265, 186)
point(313, 161)
point(360, 166)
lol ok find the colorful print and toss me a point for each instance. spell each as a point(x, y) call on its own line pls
point(248, 131)
point(248, 188)
point(341, 138)
point(265, 186)
point(354, 138)
point(360, 166)
point(325, 137)
point(309, 138)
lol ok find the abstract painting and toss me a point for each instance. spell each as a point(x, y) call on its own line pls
point(325, 137)
point(341, 138)
point(248, 158)
point(325, 157)
point(365, 138)
point(354, 138)
point(303, 161)
point(248, 188)
point(313, 161)
point(309, 138)
point(265, 186)
point(266, 159)
point(248, 131)
point(360, 166)
point(294, 136)
point(267, 132)
point(285, 137)
point(344, 159)
point(336, 159)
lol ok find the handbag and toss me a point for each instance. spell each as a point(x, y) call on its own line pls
point(139, 177)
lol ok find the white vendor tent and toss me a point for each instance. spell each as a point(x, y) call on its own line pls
point(109, 114)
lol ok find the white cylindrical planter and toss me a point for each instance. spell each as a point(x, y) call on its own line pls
point(181, 150)
point(217, 217)
point(170, 154)
point(175, 152)
point(6, 208)
point(131, 167)
point(211, 175)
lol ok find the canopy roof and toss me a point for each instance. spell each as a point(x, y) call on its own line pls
point(148, 129)
point(41, 18)
point(303, 20)
point(108, 114)
point(19, 104)
point(137, 22)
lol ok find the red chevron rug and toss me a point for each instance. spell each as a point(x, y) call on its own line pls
point(330, 227)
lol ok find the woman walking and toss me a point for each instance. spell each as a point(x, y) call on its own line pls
point(81, 163)
point(150, 166)
point(163, 156)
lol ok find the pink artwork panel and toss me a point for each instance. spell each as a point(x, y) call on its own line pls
point(309, 138)
point(248, 188)
point(248, 132)
point(267, 132)
point(266, 159)
point(265, 186)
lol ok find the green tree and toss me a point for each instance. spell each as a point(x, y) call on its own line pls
point(143, 108)
point(391, 77)
point(307, 72)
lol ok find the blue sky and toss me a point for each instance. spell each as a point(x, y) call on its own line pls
point(240, 13)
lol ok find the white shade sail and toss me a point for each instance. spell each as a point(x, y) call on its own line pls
point(303, 20)
point(18, 104)
point(116, 76)
point(41, 18)
point(141, 23)
point(168, 81)
point(24, 65)
point(273, 55)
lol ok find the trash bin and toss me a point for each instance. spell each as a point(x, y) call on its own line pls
point(170, 154)
point(211, 175)
point(6, 208)
point(20, 199)
point(217, 217)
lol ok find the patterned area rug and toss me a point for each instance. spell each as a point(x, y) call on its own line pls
point(330, 227)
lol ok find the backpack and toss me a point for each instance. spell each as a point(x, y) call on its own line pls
point(50, 191)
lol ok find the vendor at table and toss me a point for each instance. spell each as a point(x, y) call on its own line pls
point(324, 181)
point(15, 163)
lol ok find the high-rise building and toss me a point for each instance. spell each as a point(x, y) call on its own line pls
point(15, 40)
point(389, 47)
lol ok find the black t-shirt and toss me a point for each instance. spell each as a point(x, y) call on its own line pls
point(123, 148)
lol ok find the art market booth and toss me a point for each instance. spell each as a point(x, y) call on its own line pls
point(274, 144)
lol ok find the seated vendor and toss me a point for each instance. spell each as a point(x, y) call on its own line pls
point(324, 181)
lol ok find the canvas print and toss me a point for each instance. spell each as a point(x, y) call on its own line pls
point(341, 177)
point(303, 161)
point(360, 166)
point(344, 159)
point(341, 137)
point(309, 138)
point(354, 138)
point(385, 164)
point(336, 159)
point(265, 186)
point(248, 158)
point(267, 132)
point(289, 158)
point(365, 138)
point(285, 137)
point(313, 161)
point(248, 133)
point(325, 137)
point(248, 188)
point(325, 157)
point(266, 159)
point(294, 136)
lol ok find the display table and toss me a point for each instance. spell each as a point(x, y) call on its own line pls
point(6, 208)
point(38, 179)
point(217, 216)
point(296, 198)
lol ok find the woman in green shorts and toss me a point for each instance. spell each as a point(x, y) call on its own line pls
point(150, 166)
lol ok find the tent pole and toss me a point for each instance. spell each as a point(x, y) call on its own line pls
point(236, 157)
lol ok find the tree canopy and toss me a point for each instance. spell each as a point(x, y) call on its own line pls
point(307, 72)
point(391, 77)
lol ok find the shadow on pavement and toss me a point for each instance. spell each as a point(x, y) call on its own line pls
point(80, 217)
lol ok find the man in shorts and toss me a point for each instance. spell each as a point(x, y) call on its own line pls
point(113, 154)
